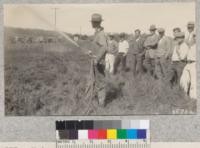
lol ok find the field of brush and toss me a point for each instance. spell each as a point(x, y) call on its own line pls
point(50, 79)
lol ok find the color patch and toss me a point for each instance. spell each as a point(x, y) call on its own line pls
point(93, 134)
point(60, 125)
point(98, 124)
point(73, 134)
point(83, 134)
point(107, 124)
point(71, 125)
point(126, 124)
point(64, 134)
point(116, 124)
point(111, 134)
point(144, 124)
point(102, 134)
point(131, 134)
point(121, 134)
point(134, 124)
point(141, 134)
point(80, 125)
point(88, 124)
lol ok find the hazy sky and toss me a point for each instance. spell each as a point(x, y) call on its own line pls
point(117, 17)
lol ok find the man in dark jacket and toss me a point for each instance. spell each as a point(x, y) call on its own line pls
point(101, 43)
point(137, 50)
point(150, 45)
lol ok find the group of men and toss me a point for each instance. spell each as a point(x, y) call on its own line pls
point(170, 59)
point(116, 54)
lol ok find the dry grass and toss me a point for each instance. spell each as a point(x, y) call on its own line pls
point(51, 80)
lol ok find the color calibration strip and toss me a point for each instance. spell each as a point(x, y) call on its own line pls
point(103, 133)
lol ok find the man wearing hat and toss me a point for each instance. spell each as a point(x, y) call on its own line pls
point(137, 51)
point(150, 45)
point(188, 78)
point(189, 34)
point(179, 55)
point(176, 30)
point(101, 44)
point(161, 54)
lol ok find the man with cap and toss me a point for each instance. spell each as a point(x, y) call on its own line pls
point(179, 55)
point(101, 44)
point(122, 53)
point(161, 55)
point(111, 54)
point(137, 51)
point(176, 30)
point(189, 34)
point(188, 78)
point(173, 41)
point(150, 45)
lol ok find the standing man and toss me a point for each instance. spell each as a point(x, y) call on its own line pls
point(111, 54)
point(101, 45)
point(190, 33)
point(179, 55)
point(137, 50)
point(188, 79)
point(173, 41)
point(122, 53)
point(161, 54)
point(150, 45)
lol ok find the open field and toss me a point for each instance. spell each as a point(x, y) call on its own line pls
point(50, 79)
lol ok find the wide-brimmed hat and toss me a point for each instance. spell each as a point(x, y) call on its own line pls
point(122, 35)
point(137, 30)
point(110, 34)
point(177, 29)
point(96, 17)
point(152, 27)
point(161, 30)
point(190, 24)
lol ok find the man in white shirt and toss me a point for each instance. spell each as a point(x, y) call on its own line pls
point(188, 79)
point(122, 53)
point(179, 55)
point(111, 54)
point(190, 33)
point(174, 42)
